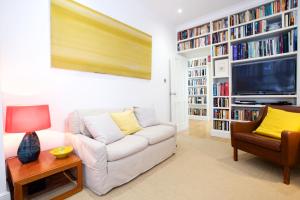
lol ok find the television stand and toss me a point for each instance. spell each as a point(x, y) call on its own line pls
point(245, 102)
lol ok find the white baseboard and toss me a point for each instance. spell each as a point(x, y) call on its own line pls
point(5, 196)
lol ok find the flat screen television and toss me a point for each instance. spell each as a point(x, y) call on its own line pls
point(275, 77)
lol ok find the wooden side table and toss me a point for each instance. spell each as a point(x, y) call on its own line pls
point(45, 166)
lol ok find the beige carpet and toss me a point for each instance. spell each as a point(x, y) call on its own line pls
point(203, 169)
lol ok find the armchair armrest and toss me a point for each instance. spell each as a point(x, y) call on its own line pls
point(243, 127)
point(290, 142)
point(91, 152)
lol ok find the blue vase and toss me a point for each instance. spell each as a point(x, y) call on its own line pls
point(29, 149)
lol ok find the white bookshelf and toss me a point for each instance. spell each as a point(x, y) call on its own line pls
point(198, 88)
point(257, 35)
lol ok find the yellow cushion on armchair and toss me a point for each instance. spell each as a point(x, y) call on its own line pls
point(277, 121)
point(126, 121)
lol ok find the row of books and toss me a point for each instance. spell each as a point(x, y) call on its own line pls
point(194, 43)
point(241, 31)
point(221, 89)
point(244, 114)
point(219, 37)
point(197, 100)
point(262, 11)
point(290, 19)
point(221, 125)
point(286, 42)
point(221, 102)
point(260, 26)
point(198, 91)
point(198, 111)
point(198, 62)
point(197, 82)
point(220, 24)
point(197, 72)
point(220, 50)
point(221, 114)
point(193, 32)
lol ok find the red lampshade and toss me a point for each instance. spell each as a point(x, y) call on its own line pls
point(27, 118)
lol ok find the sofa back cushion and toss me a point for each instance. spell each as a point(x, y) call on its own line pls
point(276, 121)
point(103, 128)
point(146, 116)
point(75, 123)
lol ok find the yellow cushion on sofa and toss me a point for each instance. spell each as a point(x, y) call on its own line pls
point(277, 121)
point(126, 121)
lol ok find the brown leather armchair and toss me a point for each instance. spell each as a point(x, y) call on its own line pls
point(284, 152)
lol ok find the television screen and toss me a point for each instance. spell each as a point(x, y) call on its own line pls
point(265, 78)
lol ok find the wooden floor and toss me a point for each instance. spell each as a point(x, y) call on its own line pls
point(201, 129)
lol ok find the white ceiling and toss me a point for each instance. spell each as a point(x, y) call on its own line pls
point(191, 9)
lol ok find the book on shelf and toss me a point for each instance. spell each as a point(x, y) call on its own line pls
point(193, 32)
point(198, 62)
point(262, 11)
point(197, 91)
point(220, 50)
point(241, 31)
point(221, 114)
point(284, 43)
point(221, 89)
point(221, 102)
point(197, 100)
point(221, 125)
point(244, 114)
point(194, 43)
point(197, 82)
point(267, 25)
point(198, 111)
point(220, 24)
point(220, 37)
point(290, 19)
point(197, 72)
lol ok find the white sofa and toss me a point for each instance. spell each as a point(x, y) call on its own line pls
point(109, 166)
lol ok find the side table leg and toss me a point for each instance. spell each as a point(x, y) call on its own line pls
point(18, 192)
point(79, 177)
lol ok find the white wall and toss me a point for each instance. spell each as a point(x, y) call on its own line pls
point(27, 77)
point(3, 191)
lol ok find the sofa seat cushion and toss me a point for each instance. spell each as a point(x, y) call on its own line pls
point(127, 146)
point(156, 134)
point(259, 140)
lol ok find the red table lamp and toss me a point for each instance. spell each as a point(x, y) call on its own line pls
point(27, 119)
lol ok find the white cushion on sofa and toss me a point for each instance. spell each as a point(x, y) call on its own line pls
point(103, 128)
point(125, 147)
point(156, 134)
point(146, 116)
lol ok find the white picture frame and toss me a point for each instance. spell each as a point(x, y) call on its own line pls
point(221, 68)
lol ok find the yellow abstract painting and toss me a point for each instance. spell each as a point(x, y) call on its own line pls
point(86, 40)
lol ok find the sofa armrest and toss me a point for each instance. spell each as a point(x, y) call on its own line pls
point(92, 152)
point(169, 124)
point(290, 145)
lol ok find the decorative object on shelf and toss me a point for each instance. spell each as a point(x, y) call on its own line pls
point(61, 152)
point(85, 40)
point(221, 68)
point(27, 119)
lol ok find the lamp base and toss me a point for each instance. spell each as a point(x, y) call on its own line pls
point(29, 149)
